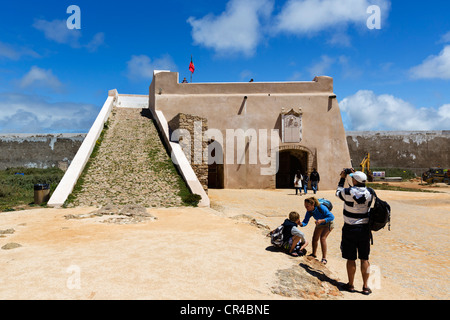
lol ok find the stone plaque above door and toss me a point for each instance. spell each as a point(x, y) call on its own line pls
point(291, 126)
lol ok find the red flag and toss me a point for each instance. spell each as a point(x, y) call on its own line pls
point(191, 66)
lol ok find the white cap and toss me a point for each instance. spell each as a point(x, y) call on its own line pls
point(359, 176)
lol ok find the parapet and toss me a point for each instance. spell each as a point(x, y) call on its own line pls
point(165, 82)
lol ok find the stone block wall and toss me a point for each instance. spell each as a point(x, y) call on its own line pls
point(413, 150)
point(195, 127)
point(38, 150)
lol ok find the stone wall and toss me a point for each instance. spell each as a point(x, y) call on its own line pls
point(195, 127)
point(414, 150)
point(38, 151)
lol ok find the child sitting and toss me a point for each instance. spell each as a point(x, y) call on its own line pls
point(294, 239)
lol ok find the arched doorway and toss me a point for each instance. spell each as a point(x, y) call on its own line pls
point(291, 160)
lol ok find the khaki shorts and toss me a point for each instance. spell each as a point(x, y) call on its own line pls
point(329, 225)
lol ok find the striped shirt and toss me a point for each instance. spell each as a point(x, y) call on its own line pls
point(357, 201)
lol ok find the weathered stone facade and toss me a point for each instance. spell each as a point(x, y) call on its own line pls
point(190, 130)
point(38, 150)
point(414, 150)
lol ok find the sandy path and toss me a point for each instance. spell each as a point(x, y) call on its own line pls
point(194, 253)
point(409, 262)
point(185, 254)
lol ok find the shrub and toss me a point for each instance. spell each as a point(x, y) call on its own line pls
point(191, 199)
point(17, 184)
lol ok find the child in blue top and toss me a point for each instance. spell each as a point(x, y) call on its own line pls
point(324, 224)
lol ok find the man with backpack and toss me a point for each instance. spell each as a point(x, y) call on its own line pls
point(356, 233)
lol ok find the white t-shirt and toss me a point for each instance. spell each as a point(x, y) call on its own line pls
point(296, 232)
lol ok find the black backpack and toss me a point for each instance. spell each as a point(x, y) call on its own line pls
point(379, 214)
point(276, 237)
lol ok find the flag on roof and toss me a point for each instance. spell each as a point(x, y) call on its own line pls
point(191, 66)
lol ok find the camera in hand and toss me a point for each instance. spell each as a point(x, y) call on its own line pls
point(348, 171)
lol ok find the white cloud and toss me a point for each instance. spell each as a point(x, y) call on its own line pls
point(57, 31)
point(320, 68)
point(97, 41)
point(444, 112)
point(349, 68)
point(12, 53)
point(40, 78)
point(339, 38)
point(296, 76)
point(245, 24)
point(445, 38)
point(367, 111)
point(246, 75)
point(434, 67)
point(142, 67)
point(237, 30)
point(310, 16)
point(20, 113)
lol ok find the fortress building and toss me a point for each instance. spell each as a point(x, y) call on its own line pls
point(254, 134)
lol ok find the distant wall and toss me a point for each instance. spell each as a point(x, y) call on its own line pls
point(38, 150)
point(414, 150)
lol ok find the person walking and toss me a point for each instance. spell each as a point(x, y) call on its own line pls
point(305, 183)
point(356, 234)
point(324, 225)
point(298, 182)
point(315, 179)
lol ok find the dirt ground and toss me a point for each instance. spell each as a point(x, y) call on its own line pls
point(214, 253)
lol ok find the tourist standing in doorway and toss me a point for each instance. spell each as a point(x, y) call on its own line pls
point(298, 182)
point(315, 179)
point(356, 234)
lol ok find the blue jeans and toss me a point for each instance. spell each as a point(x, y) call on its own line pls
point(305, 188)
point(314, 186)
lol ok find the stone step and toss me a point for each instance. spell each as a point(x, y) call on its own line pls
point(131, 166)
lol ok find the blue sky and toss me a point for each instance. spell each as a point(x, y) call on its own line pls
point(55, 80)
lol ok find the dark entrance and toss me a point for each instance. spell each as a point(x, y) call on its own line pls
point(215, 166)
point(290, 162)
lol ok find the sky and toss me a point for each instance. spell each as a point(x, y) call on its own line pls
point(390, 60)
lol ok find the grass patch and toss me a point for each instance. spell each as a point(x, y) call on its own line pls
point(161, 163)
point(382, 186)
point(17, 185)
point(405, 174)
